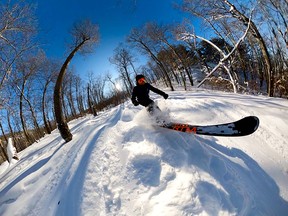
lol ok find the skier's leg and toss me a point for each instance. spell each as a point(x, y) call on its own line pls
point(155, 111)
point(152, 108)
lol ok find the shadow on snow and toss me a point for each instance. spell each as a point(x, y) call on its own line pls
point(245, 188)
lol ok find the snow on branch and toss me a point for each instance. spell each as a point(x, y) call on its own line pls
point(189, 36)
point(186, 36)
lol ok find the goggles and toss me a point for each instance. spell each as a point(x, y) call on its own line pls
point(142, 80)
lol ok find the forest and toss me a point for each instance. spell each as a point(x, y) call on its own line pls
point(247, 52)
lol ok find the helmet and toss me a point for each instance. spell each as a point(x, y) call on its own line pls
point(139, 77)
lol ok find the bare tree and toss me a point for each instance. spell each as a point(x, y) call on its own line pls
point(91, 105)
point(276, 13)
point(164, 35)
point(257, 35)
point(96, 90)
point(85, 36)
point(109, 78)
point(47, 77)
point(69, 93)
point(217, 11)
point(17, 30)
point(140, 38)
point(17, 26)
point(22, 83)
point(224, 56)
point(123, 59)
point(79, 90)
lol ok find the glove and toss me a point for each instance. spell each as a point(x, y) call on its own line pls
point(136, 103)
point(165, 96)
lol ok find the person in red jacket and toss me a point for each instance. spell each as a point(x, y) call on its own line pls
point(140, 94)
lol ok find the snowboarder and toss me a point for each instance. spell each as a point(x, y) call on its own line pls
point(140, 94)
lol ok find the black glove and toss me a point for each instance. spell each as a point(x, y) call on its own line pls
point(165, 96)
point(136, 103)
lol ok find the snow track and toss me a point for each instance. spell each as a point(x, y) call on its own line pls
point(119, 164)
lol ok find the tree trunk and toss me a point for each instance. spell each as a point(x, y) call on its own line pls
point(58, 107)
point(256, 34)
point(24, 128)
point(159, 63)
point(126, 74)
point(47, 126)
point(1, 145)
point(21, 146)
point(180, 59)
point(70, 100)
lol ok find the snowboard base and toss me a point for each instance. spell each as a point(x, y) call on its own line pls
point(242, 127)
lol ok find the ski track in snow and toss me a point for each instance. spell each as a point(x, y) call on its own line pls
point(119, 164)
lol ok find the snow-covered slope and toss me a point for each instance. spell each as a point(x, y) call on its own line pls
point(118, 163)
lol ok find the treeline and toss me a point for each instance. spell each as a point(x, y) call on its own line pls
point(246, 51)
point(30, 81)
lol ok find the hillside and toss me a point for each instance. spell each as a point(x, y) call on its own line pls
point(118, 163)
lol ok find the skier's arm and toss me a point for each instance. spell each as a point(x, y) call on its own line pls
point(158, 91)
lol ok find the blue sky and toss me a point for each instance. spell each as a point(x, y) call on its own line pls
point(114, 17)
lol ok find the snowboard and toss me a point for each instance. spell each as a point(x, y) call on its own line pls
point(242, 127)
